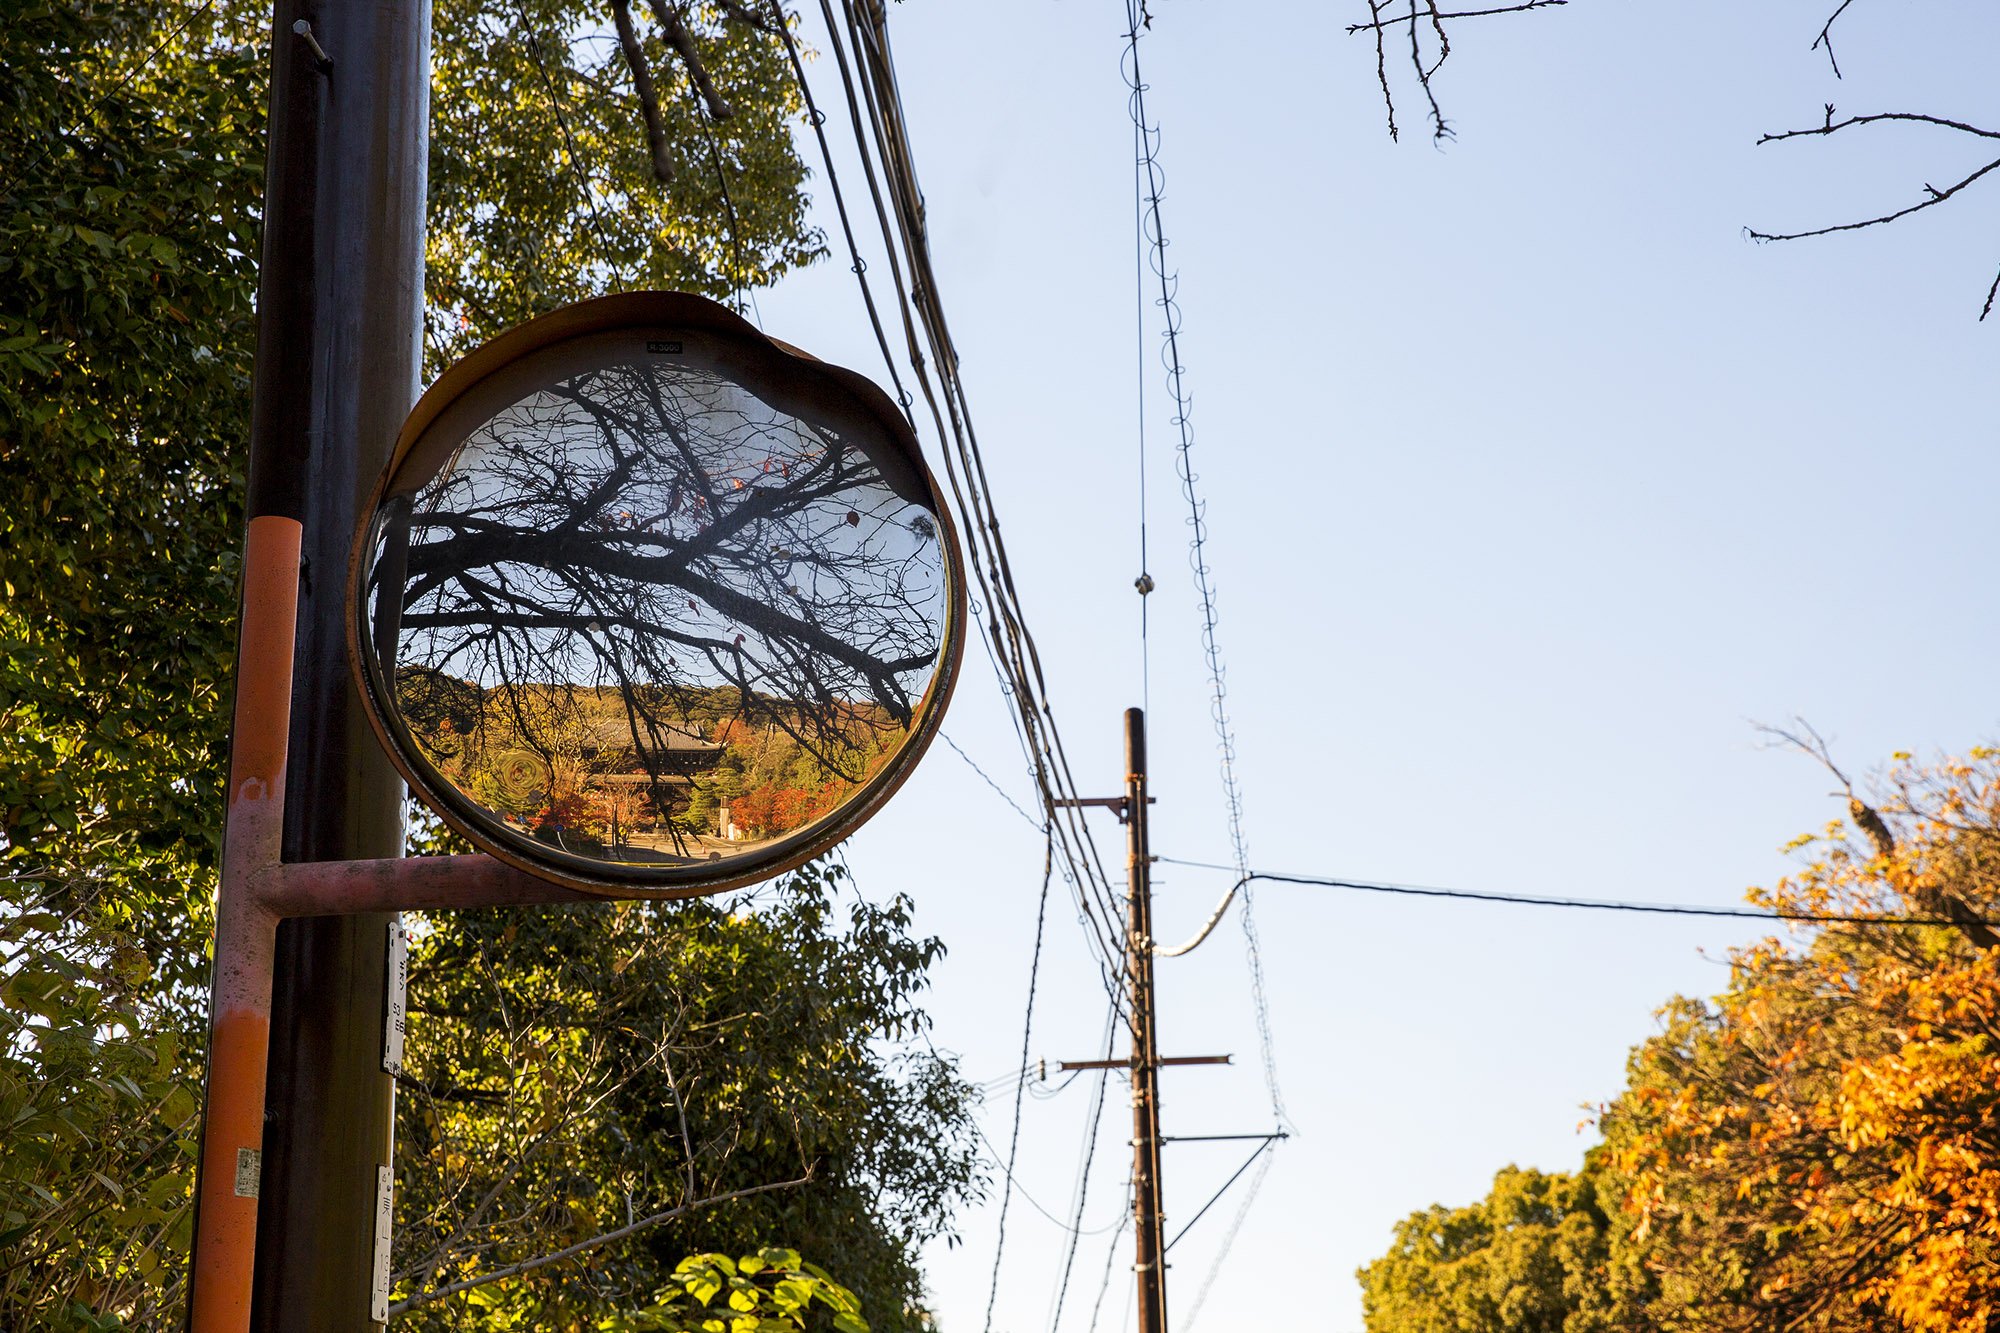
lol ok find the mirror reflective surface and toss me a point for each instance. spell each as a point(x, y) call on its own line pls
point(658, 608)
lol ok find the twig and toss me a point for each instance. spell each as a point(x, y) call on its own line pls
point(1421, 14)
point(1439, 131)
point(737, 13)
point(1436, 17)
point(606, 1238)
point(1825, 37)
point(1935, 197)
point(1917, 117)
point(1382, 65)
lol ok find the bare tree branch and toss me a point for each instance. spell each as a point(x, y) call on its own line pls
point(738, 13)
point(682, 41)
point(1825, 37)
point(1382, 66)
point(1353, 28)
point(649, 97)
point(1804, 738)
point(1933, 196)
point(1831, 127)
point(1424, 16)
point(1439, 130)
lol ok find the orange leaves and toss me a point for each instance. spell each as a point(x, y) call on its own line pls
point(1820, 1146)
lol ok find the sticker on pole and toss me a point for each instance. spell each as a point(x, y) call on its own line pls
point(652, 605)
point(385, 1221)
point(249, 1172)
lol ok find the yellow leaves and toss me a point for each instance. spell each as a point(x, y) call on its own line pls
point(1833, 1117)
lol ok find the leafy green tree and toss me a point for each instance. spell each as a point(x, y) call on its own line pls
point(1533, 1256)
point(573, 1069)
point(127, 212)
point(771, 1291)
point(543, 187)
point(131, 143)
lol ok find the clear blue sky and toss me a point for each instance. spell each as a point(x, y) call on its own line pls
point(1532, 483)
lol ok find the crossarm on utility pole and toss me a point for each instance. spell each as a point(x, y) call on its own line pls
point(1069, 1066)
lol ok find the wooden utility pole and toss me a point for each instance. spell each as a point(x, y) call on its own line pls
point(1144, 1062)
point(1147, 1214)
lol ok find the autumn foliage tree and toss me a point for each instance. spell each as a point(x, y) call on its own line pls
point(1819, 1146)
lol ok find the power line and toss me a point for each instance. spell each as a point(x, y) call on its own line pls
point(817, 119)
point(1082, 1186)
point(998, 790)
point(1027, 1033)
point(1229, 1237)
point(1022, 1190)
point(1593, 904)
point(1153, 235)
point(98, 103)
point(1144, 583)
point(569, 140)
point(1154, 239)
point(1110, 1257)
point(1154, 243)
point(879, 135)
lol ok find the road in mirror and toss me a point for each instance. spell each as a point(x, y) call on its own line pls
point(630, 611)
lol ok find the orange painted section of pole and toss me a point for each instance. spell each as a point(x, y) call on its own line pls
point(246, 933)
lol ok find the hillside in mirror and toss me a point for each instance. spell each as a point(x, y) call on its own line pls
point(646, 616)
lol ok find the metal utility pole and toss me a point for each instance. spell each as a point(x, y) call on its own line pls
point(1147, 1213)
point(339, 354)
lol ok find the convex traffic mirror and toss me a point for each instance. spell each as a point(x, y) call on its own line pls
point(652, 605)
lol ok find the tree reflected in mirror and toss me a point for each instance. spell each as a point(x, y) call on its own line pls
point(646, 616)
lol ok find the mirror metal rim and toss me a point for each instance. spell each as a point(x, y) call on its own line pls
point(664, 311)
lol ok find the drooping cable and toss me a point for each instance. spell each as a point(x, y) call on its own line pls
point(1082, 1187)
point(986, 778)
point(1027, 1035)
point(817, 119)
point(1111, 1257)
point(1595, 904)
point(569, 142)
point(880, 137)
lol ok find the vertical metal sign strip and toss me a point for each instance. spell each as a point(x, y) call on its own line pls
point(395, 1024)
point(385, 1220)
point(396, 998)
point(339, 356)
